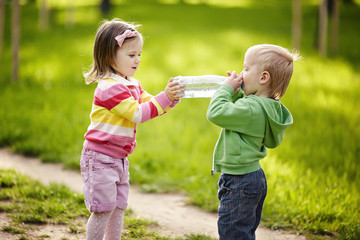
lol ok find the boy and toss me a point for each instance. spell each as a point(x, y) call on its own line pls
point(251, 120)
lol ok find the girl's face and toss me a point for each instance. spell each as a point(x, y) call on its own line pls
point(127, 57)
point(251, 75)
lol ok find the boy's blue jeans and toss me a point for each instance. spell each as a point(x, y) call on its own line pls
point(241, 201)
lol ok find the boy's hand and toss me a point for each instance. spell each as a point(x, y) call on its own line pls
point(174, 90)
point(234, 80)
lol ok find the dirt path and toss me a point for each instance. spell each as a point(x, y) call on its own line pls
point(171, 211)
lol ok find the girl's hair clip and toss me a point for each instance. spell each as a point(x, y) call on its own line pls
point(127, 34)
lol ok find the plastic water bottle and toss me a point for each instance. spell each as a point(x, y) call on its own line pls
point(200, 86)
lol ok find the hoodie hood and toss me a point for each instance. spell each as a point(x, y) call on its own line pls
point(278, 119)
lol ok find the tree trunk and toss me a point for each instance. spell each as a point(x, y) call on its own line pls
point(296, 28)
point(69, 15)
point(322, 28)
point(44, 15)
point(335, 28)
point(105, 7)
point(15, 40)
point(2, 20)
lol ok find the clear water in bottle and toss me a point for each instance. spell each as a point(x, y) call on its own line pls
point(200, 86)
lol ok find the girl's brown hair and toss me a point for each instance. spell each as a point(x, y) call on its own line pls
point(105, 47)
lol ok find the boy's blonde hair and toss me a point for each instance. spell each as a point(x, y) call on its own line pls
point(105, 47)
point(278, 61)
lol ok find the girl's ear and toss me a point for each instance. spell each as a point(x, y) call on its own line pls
point(265, 78)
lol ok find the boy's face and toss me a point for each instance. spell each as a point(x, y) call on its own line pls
point(251, 74)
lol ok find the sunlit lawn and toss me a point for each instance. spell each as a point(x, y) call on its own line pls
point(30, 205)
point(312, 176)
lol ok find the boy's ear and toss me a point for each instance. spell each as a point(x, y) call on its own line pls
point(265, 78)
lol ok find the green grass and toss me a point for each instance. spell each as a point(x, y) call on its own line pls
point(312, 176)
point(29, 204)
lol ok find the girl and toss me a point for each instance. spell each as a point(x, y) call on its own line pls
point(119, 105)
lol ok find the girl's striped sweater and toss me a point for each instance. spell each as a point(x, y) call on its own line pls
point(119, 105)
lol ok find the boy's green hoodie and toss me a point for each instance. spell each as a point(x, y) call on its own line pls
point(250, 124)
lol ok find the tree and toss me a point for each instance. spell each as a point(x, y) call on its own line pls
point(70, 15)
point(15, 40)
point(296, 28)
point(328, 7)
point(2, 20)
point(44, 15)
point(105, 7)
point(322, 33)
point(334, 27)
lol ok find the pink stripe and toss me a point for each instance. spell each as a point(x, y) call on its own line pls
point(117, 89)
point(163, 100)
point(153, 110)
point(98, 136)
point(145, 111)
point(112, 102)
point(135, 91)
point(173, 104)
point(108, 149)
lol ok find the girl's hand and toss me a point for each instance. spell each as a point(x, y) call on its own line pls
point(234, 80)
point(174, 90)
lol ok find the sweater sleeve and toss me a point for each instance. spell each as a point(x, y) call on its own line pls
point(119, 100)
point(162, 100)
point(225, 113)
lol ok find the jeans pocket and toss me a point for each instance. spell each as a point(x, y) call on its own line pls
point(226, 202)
point(249, 200)
point(225, 195)
point(103, 162)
